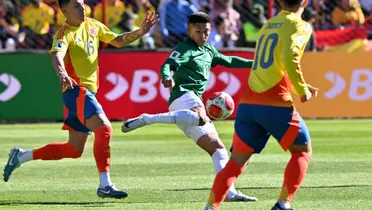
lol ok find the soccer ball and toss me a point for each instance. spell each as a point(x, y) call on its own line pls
point(220, 106)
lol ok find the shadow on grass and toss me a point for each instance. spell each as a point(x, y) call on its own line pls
point(83, 204)
point(265, 188)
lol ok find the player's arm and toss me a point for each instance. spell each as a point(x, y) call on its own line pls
point(58, 51)
point(178, 57)
point(125, 38)
point(230, 61)
point(293, 49)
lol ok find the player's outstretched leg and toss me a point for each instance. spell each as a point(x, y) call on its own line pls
point(183, 117)
point(52, 151)
point(103, 132)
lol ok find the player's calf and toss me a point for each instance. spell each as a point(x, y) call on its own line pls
point(294, 174)
point(183, 117)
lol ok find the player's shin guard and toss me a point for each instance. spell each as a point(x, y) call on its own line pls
point(222, 183)
point(55, 151)
point(220, 158)
point(102, 148)
point(180, 117)
point(294, 175)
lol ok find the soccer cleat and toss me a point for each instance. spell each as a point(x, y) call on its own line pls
point(111, 192)
point(278, 207)
point(134, 123)
point(208, 208)
point(13, 163)
point(240, 197)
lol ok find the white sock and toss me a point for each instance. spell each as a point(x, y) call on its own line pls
point(25, 156)
point(284, 205)
point(179, 117)
point(220, 159)
point(105, 180)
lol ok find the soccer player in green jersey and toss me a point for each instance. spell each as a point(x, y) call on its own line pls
point(191, 61)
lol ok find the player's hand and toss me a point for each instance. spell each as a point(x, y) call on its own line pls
point(65, 81)
point(169, 83)
point(312, 92)
point(150, 20)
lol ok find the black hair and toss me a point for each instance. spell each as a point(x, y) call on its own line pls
point(218, 20)
point(293, 3)
point(61, 3)
point(199, 17)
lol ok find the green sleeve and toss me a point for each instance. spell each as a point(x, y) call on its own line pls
point(178, 57)
point(230, 61)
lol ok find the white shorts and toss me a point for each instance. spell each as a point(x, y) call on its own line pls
point(188, 101)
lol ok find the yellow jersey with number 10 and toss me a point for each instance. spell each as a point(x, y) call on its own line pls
point(280, 46)
point(81, 46)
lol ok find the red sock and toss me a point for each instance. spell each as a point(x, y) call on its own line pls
point(222, 183)
point(55, 151)
point(102, 148)
point(294, 175)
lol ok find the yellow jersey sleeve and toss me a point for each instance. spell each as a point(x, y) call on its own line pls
point(60, 41)
point(104, 33)
point(297, 36)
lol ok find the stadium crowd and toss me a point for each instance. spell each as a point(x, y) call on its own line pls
point(30, 24)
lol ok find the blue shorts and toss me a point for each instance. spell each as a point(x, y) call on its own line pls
point(81, 104)
point(255, 124)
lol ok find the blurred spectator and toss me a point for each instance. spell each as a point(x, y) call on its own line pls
point(114, 12)
point(127, 24)
point(202, 5)
point(366, 6)
point(322, 19)
point(253, 21)
point(37, 18)
point(174, 16)
point(61, 17)
point(143, 7)
point(224, 9)
point(8, 30)
point(216, 36)
point(309, 16)
point(348, 12)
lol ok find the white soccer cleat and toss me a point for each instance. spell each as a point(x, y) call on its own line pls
point(133, 123)
point(240, 197)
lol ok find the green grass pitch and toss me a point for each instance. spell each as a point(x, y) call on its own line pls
point(163, 170)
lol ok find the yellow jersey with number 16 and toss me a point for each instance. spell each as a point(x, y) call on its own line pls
point(81, 46)
point(276, 69)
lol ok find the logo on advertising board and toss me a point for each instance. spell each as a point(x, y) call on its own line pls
point(146, 80)
point(359, 87)
point(13, 86)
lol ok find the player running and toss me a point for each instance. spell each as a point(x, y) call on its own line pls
point(266, 107)
point(75, 59)
point(191, 61)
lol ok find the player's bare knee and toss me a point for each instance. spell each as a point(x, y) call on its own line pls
point(96, 121)
point(242, 159)
point(210, 143)
point(78, 140)
point(203, 119)
point(305, 148)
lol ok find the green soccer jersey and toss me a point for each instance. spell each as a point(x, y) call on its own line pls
point(192, 64)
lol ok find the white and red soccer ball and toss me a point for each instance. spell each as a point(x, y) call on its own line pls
point(220, 106)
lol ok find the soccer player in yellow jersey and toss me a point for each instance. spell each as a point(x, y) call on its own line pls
point(75, 59)
point(266, 107)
